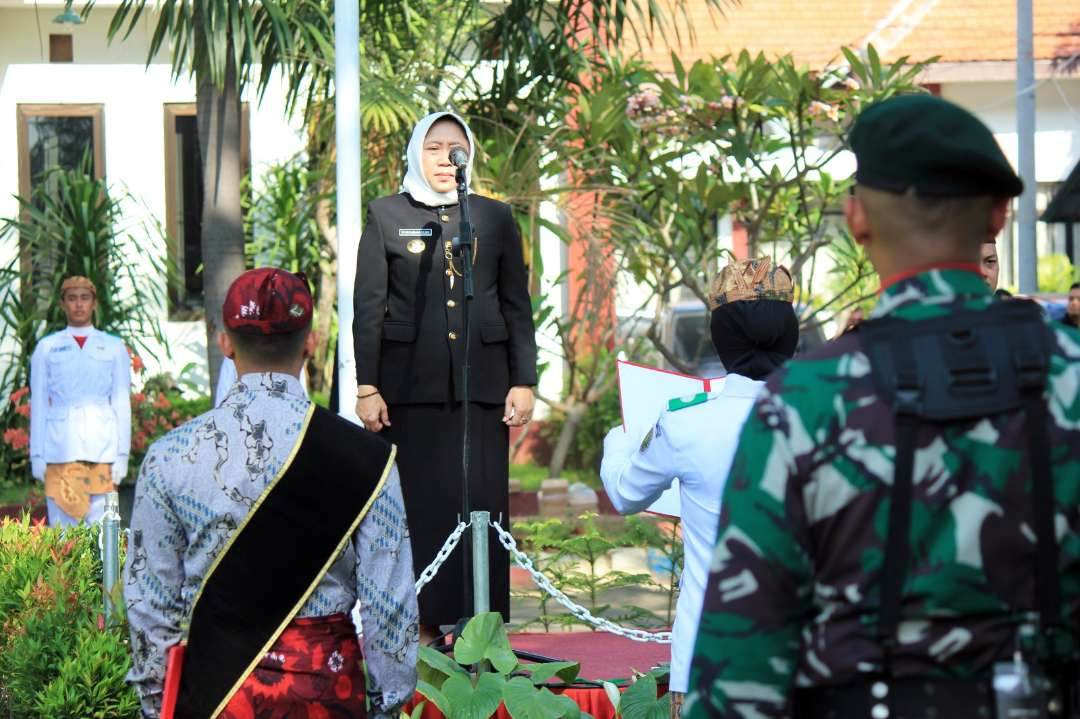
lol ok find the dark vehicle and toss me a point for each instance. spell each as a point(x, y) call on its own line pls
point(685, 331)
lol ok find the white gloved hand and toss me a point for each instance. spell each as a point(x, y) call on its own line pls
point(619, 442)
point(37, 468)
point(119, 469)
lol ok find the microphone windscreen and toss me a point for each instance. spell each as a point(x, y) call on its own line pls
point(458, 157)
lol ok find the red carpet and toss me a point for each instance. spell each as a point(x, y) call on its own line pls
point(602, 655)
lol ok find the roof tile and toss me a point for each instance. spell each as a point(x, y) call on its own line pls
point(956, 30)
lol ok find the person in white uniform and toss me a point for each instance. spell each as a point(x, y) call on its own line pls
point(755, 330)
point(80, 411)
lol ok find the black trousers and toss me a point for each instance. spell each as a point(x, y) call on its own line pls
point(428, 437)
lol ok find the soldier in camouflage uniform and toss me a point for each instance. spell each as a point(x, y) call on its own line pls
point(791, 606)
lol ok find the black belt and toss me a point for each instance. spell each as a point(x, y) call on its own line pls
point(898, 699)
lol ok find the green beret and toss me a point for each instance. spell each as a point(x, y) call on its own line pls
point(932, 145)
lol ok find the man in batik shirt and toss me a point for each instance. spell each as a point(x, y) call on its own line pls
point(231, 549)
point(791, 619)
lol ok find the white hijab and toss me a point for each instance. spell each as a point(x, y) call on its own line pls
point(415, 183)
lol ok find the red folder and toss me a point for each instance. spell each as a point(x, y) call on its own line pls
point(171, 689)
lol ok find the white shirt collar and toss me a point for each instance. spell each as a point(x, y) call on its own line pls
point(272, 382)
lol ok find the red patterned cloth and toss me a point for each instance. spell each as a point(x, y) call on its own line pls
point(313, 671)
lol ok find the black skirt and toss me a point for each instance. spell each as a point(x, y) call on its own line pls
point(428, 437)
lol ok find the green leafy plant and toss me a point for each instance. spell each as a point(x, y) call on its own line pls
point(538, 540)
point(662, 536)
point(288, 223)
point(639, 700)
point(745, 137)
point(155, 410)
point(1056, 273)
point(586, 548)
point(573, 557)
point(484, 673)
point(587, 445)
point(57, 656)
point(73, 224)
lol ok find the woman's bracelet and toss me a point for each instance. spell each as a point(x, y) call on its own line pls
point(369, 394)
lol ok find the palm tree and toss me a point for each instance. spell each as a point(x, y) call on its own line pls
point(219, 42)
point(542, 45)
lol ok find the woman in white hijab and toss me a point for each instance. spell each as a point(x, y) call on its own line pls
point(410, 344)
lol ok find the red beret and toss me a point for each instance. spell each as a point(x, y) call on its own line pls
point(268, 301)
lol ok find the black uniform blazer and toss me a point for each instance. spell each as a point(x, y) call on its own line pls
point(408, 326)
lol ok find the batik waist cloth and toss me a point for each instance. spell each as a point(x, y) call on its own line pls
point(71, 484)
point(314, 669)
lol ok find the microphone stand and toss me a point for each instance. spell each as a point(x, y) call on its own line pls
point(462, 247)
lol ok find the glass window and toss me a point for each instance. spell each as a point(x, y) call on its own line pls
point(53, 136)
point(57, 136)
point(58, 142)
point(184, 206)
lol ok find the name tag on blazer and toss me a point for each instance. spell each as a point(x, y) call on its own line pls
point(417, 232)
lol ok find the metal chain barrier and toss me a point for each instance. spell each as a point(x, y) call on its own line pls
point(447, 549)
point(578, 611)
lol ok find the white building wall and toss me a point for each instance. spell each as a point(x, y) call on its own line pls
point(1057, 143)
point(133, 95)
point(1057, 120)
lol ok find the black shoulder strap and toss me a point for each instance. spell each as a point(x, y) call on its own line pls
point(1032, 363)
point(967, 364)
point(906, 403)
point(300, 524)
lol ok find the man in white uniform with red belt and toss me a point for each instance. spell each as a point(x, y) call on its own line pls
point(80, 411)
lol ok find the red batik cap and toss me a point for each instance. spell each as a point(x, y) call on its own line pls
point(268, 301)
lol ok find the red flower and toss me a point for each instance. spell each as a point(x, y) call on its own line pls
point(18, 394)
point(137, 365)
point(162, 402)
point(17, 438)
point(23, 409)
point(138, 397)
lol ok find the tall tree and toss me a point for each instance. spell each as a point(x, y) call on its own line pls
point(219, 42)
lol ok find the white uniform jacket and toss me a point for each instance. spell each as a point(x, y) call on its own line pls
point(695, 444)
point(80, 398)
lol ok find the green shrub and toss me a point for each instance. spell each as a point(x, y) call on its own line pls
point(74, 224)
point(483, 673)
point(1056, 273)
point(158, 408)
point(90, 680)
point(587, 449)
point(15, 447)
point(57, 657)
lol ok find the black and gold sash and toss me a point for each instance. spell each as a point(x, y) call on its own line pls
point(278, 555)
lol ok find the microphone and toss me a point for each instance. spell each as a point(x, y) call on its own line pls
point(458, 157)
